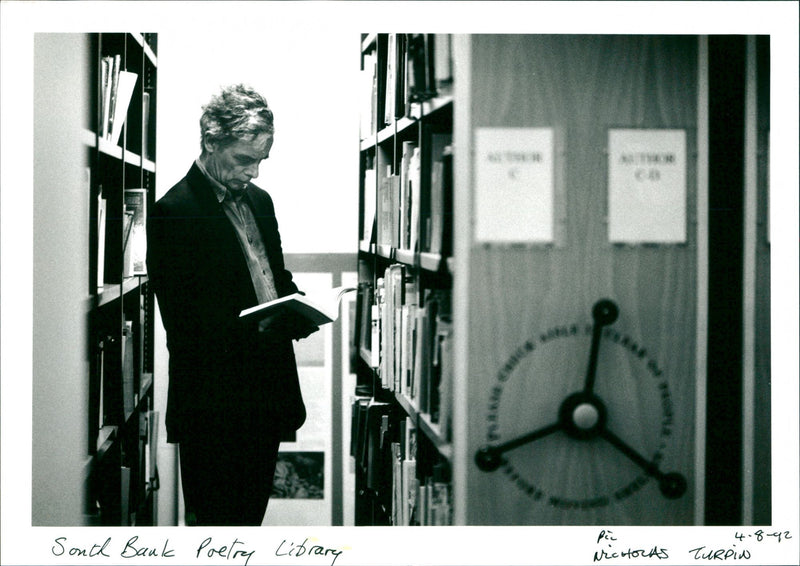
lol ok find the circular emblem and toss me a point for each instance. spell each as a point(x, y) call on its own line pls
point(603, 436)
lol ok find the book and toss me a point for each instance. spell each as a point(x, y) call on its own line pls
point(111, 95)
point(101, 239)
point(388, 213)
point(377, 450)
point(152, 452)
point(125, 496)
point(120, 99)
point(397, 484)
point(364, 302)
point(407, 171)
point(127, 250)
point(375, 335)
point(420, 360)
point(443, 59)
point(144, 448)
point(129, 396)
point(409, 491)
point(369, 77)
point(368, 220)
point(435, 212)
point(358, 417)
point(99, 415)
point(136, 203)
point(447, 198)
point(401, 93)
point(145, 125)
point(420, 73)
point(320, 307)
point(110, 404)
point(414, 197)
point(390, 90)
point(445, 378)
point(441, 505)
point(105, 77)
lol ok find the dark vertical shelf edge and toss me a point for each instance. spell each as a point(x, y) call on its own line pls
point(726, 235)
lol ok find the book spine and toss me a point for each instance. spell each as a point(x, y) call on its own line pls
point(152, 468)
point(112, 404)
point(136, 204)
point(397, 485)
point(390, 90)
point(400, 82)
point(145, 125)
point(102, 210)
point(414, 197)
point(114, 90)
point(121, 98)
point(127, 248)
point(368, 219)
point(375, 334)
point(385, 210)
point(106, 70)
point(125, 496)
point(444, 394)
point(443, 59)
point(100, 385)
point(369, 77)
point(129, 395)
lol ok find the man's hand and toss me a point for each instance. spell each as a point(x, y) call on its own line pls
point(286, 325)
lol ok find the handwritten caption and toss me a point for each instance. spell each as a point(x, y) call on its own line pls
point(741, 547)
point(236, 551)
point(611, 549)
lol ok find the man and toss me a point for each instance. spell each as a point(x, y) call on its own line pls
point(213, 250)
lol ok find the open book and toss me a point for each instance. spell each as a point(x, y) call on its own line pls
point(319, 307)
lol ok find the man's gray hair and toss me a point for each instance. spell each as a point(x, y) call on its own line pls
point(237, 112)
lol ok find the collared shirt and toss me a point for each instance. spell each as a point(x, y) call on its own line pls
point(244, 224)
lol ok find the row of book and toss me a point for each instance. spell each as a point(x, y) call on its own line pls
point(116, 390)
point(123, 479)
point(410, 342)
point(148, 448)
point(133, 247)
point(412, 207)
point(415, 68)
point(134, 490)
point(373, 429)
point(417, 499)
point(117, 86)
point(384, 447)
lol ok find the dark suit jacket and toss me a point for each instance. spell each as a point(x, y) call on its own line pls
point(219, 367)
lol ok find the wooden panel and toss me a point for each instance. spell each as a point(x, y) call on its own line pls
point(531, 307)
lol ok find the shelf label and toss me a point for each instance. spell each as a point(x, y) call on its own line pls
point(514, 185)
point(646, 186)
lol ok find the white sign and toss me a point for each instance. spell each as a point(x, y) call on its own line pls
point(514, 185)
point(646, 186)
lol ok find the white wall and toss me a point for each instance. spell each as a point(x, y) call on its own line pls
point(61, 225)
point(308, 77)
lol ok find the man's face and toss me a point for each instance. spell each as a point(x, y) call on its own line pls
point(235, 164)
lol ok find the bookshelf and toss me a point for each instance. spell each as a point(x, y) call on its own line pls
point(110, 391)
point(401, 425)
point(122, 423)
point(534, 399)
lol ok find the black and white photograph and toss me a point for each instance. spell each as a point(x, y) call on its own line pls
point(534, 268)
